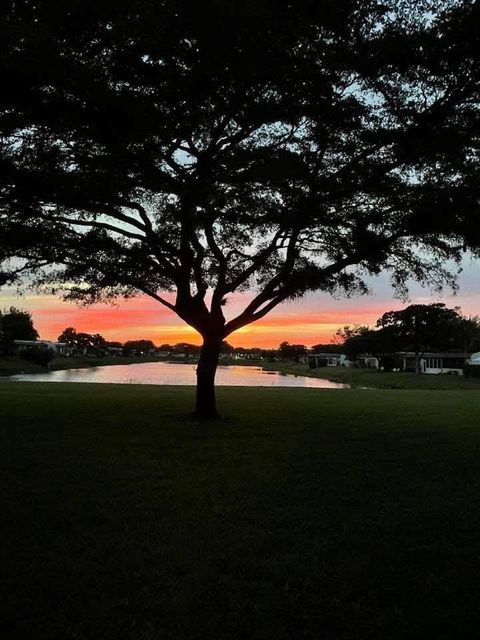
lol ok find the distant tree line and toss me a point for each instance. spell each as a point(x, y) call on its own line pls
point(417, 329)
point(96, 345)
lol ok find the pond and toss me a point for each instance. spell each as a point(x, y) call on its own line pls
point(177, 374)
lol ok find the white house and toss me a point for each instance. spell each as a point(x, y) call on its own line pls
point(316, 360)
point(367, 361)
point(430, 362)
point(446, 362)
point(474, 358)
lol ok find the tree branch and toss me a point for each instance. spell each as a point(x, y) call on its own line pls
point(94, 224)
point(258, 261)
point(158, 298)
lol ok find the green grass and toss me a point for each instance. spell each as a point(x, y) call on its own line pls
point(13, 365)
point(10, 366)
point(302, 514)
point(374, 379)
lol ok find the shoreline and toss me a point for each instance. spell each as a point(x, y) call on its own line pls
point(14, 365)
point(356, 378)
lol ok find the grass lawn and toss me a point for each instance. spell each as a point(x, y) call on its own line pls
point(11, 365)
point(374, 379)
point(305, 513)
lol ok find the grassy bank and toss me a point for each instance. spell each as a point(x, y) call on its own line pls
point(13, 365)
point(369, 378)
point(374, 379)
point(303, 514)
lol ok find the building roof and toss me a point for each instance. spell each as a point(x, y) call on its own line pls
point(434, 354)
point(325, 354)
point(32, 343)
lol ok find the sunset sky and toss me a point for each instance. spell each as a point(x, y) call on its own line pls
point(309, 321)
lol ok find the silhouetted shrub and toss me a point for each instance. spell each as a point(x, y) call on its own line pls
point(472, 370)
point(389, 363)
point(41, 355)
point(315, 361)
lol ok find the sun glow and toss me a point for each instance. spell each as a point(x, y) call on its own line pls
point(309, 321)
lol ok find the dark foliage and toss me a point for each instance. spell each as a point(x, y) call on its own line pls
point(420, 328)
point(291, 352)
point(91, 344)
point(327, 348)
point(417, 328)
point(15, 325)
point(472, 370)
point(138, 347)
point(277, 147)
point(40, 354)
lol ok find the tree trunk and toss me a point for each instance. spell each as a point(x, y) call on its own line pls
point(206, 407)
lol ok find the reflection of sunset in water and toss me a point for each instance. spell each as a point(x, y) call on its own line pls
point(178, 374)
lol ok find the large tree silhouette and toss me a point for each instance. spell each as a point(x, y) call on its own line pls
point(203, 148)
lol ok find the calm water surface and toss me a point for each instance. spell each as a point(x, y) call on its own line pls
point(177, 374)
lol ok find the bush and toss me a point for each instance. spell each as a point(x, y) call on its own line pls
point(389, 363)
point(314, 362)
point(472, 370)
point(41, 355)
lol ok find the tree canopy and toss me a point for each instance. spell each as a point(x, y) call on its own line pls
point(139, 347)
point(417, 328)
point(291, 352)
point(93, 343)
point(423, 327)
point(15, 324)
point(207, 148)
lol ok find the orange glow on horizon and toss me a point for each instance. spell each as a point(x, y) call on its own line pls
point(116, 324)
point(310, 321)
point(142, 317)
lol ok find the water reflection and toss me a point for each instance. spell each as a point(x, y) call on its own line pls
point(178, 374)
